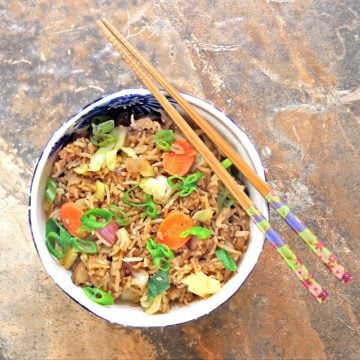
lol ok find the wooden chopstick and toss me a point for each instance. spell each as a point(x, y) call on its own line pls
point(294, 263)
point(323, 253)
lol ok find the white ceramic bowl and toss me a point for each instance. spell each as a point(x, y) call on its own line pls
point(140, 102)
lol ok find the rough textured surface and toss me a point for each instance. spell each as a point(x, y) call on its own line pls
point(287, 71)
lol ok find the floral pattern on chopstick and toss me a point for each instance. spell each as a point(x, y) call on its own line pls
point(323, 253)
point(294, 263)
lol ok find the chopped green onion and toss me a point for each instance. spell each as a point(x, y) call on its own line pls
point(150, 207)
point(99, 296)
point(127, 201)
point(50, 191)
point(52, 239)
point(193, 179)
point(224, 199)
point(226, 163)
point(84, 246)
point(198, 231)
point(104, 127)
point(102, 140)
point(90, 218)
point(156, 249)
point(226, 259)
point(150, 210)
point(120, 216)
point(164, 139)
point(157, 284)
point(186, 185)
point(53, 226)
point(162, 263)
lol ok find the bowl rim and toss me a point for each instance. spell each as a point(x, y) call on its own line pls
point(161, 319)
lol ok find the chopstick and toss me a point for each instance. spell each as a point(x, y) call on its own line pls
point(310, 239)
point(289, 257)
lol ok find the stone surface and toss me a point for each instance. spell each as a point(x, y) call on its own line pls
point(286, 70)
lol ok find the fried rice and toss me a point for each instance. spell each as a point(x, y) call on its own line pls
point(123, 268)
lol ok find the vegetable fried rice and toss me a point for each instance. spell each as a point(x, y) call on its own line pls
point(137, 216)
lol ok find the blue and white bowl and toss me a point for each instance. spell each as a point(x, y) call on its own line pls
point(121, 105)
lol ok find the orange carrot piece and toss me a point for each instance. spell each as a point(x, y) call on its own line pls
point(179, 161)
point(70, 215)
point(171, 228)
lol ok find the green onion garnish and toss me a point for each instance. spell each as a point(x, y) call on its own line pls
point(226, 163)
point(198, 231)
point(226, 259)
point(120, 216)
point(161, 253)
point(57, 237)
point(157, 284)
point(149, 205)
point(50, 191)
point(90, 218)
point(224, 199)
point(52, 239)
point(101, 133)
point(84, 246)
point(164, 139)
point(186, 185)
point(99, 296)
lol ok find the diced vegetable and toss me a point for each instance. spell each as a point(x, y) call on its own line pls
point(171, 228)
point(158, 284)
point(99, 296)
point(81, 169)
point(91, 218)
point(151, 306)
point(108, 233)
point(70, 215)
point(204, 216)
point(98, 159)
point(157, 187)
point(201, 284)
point(102, 133)
point(70, 257)
point(139, 165)
point(50, 191)
point(180, 159)
point(198, 231)
point(164, 139)
point(100, 190)
point(226, 163)
point(129, 152)
point(101, 156)
point(226, 259)
point(80, 274)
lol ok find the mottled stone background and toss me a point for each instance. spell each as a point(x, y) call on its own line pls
point(287, 71)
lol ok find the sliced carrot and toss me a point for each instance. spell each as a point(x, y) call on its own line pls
point(70, 215)
point(179, 161)
point(171, 228)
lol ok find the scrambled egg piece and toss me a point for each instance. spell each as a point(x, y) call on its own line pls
point(201, 284)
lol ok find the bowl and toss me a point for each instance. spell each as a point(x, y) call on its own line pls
point(122, 104)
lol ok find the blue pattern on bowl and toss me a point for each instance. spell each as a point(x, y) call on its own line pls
point(120, 109)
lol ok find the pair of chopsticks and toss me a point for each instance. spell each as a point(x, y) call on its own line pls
point(139, 65)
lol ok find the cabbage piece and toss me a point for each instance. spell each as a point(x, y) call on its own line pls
point(129, 152)
point(153, 306)
point(201, 284)
point(101, 156)
point(157, 187)
point(204, 216)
